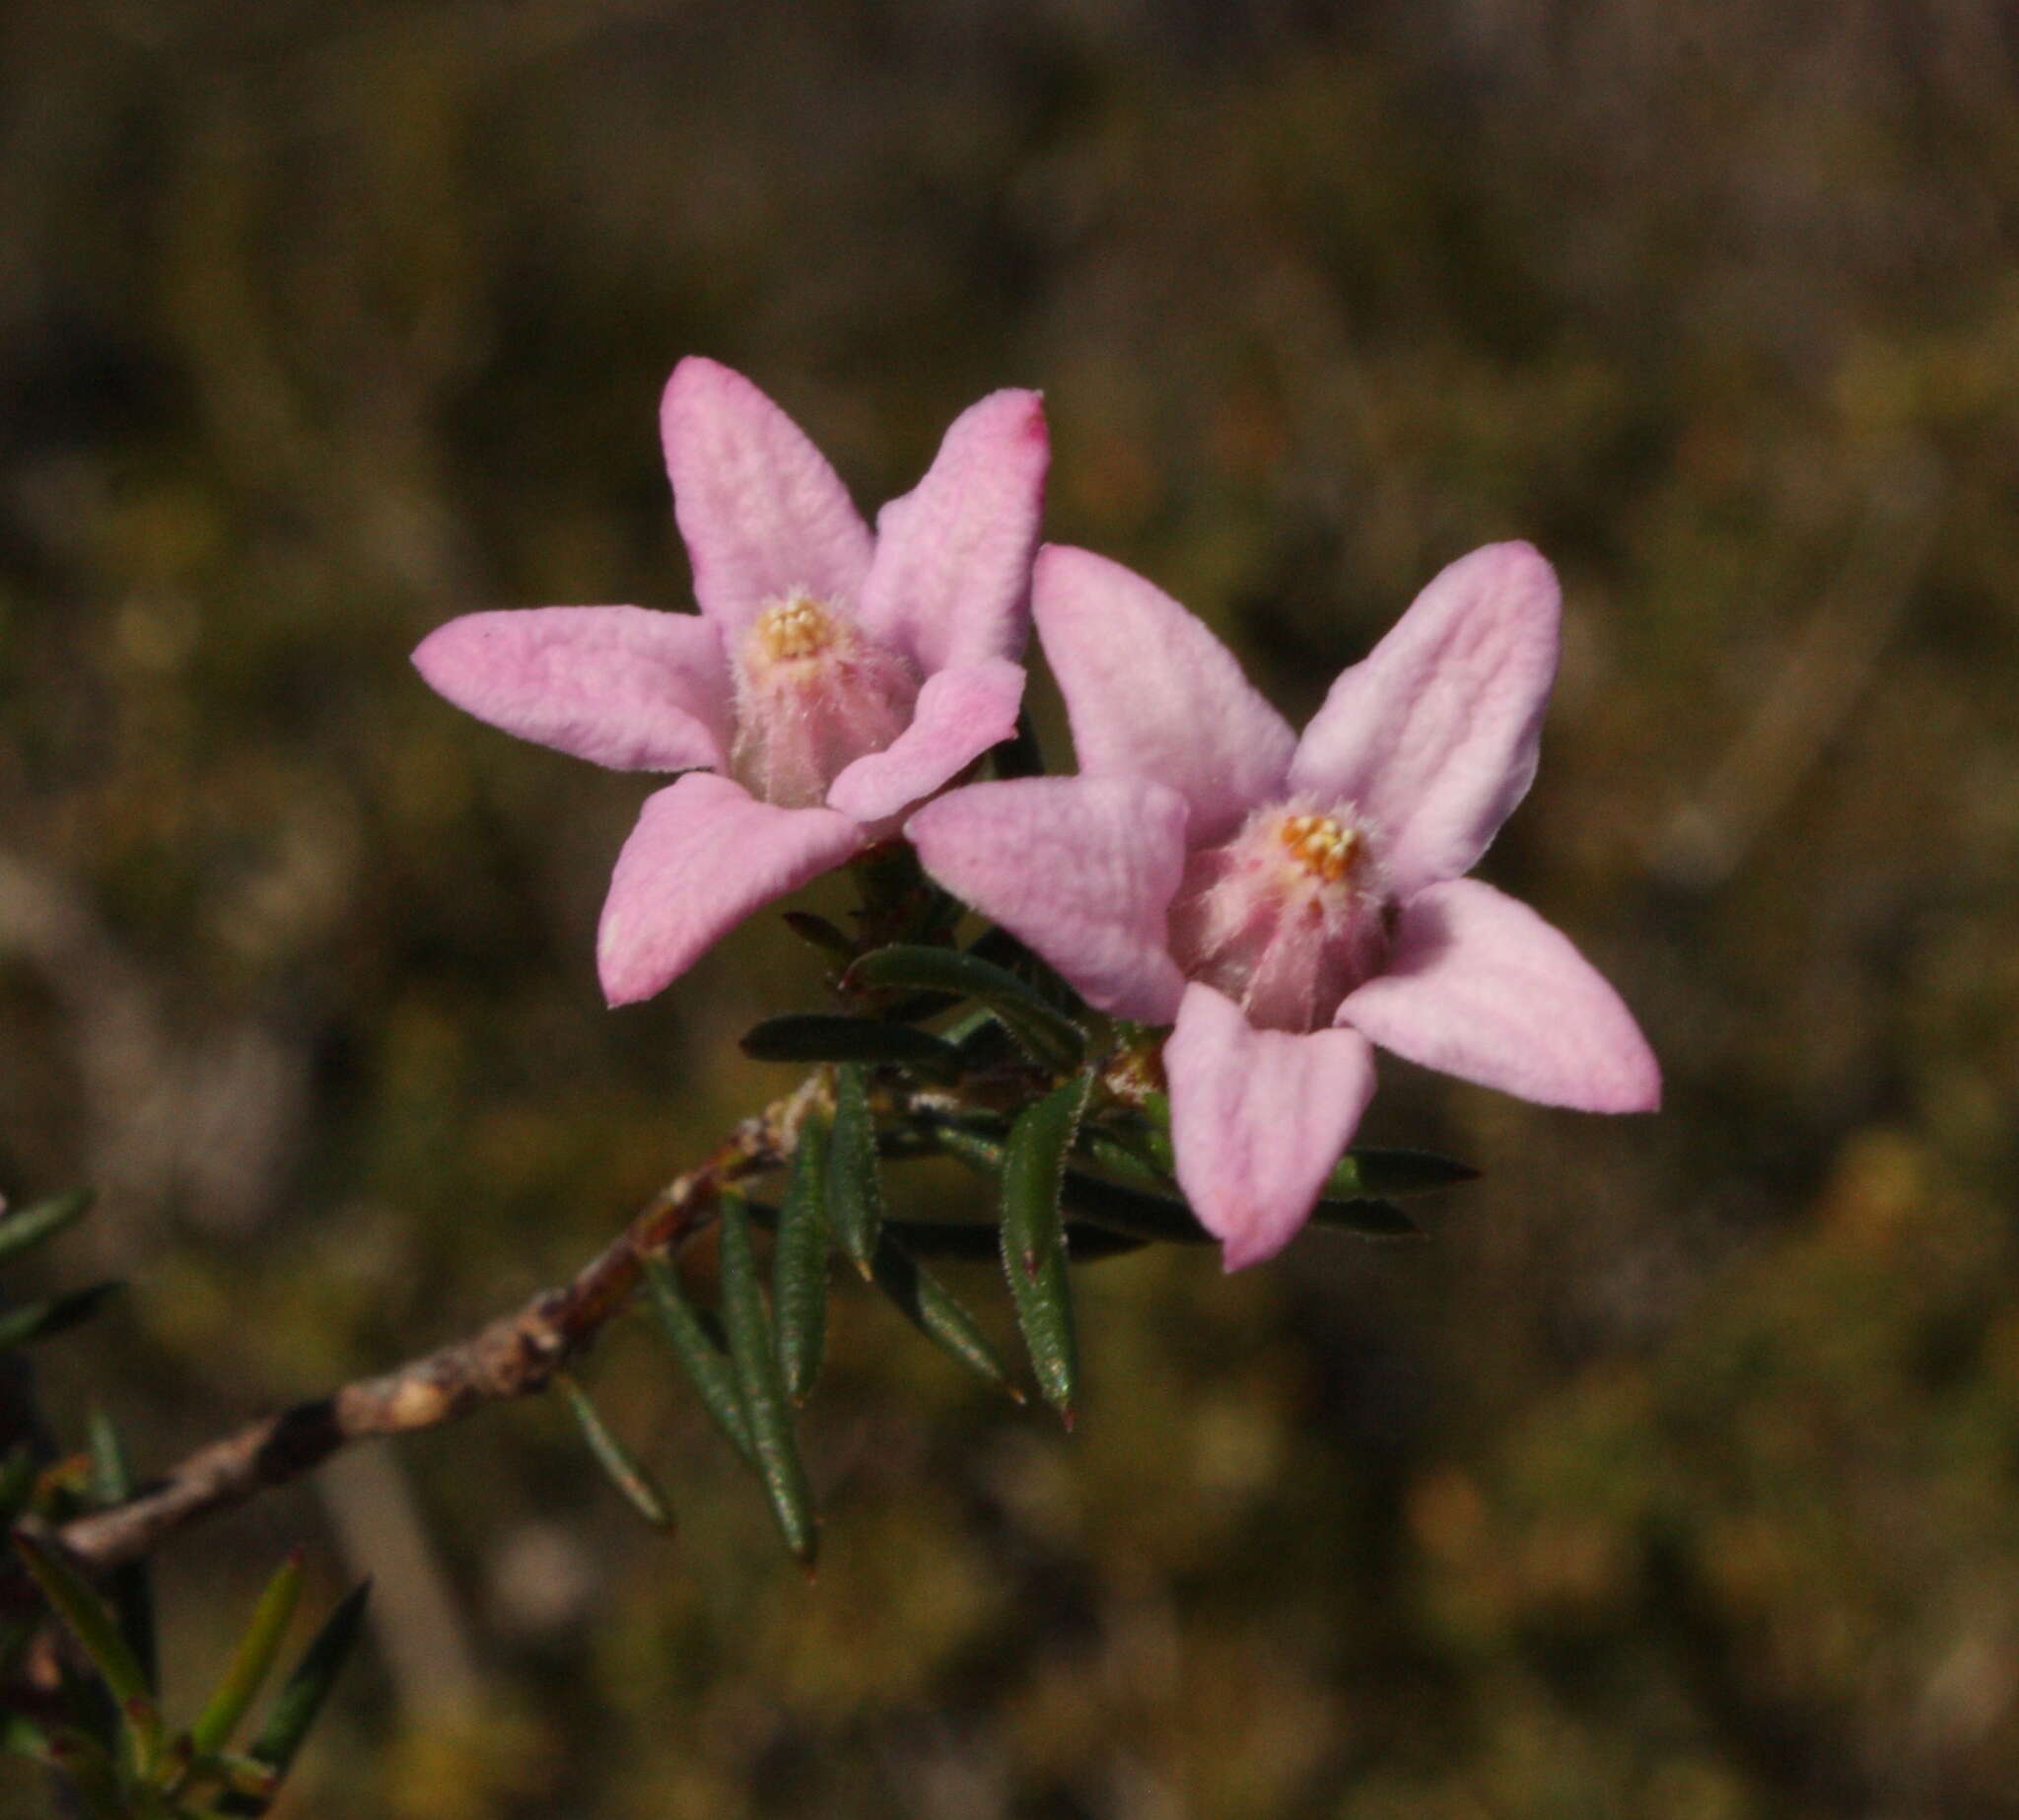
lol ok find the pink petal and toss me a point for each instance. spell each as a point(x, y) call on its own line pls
point(960, 714)
point(760, 509)
point(1481, 987)
point(622, 686)
point(1151, 693)
point(950, 582)
point(704, 855)
point(1080, 869)
point(1434, 733)
point(1258, 1119)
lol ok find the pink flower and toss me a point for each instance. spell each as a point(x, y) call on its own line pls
point(831, 680)
point(1286, 900)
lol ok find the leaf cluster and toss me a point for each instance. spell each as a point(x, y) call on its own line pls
point(80, 1684)
point(1016, 1079)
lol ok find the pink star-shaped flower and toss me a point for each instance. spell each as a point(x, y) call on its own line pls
point(832, 679)
point(1286, 900)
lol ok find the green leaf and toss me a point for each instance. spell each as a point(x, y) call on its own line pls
point(813, 1036)
point(302, 1695)
point(1139, 1213)
point(980, 1148)
point(1368, 1174)
point(701, 1354)
point(40, 1321)
point(969, 1241)
point(248, 1787)
point(1369, 1219)
point(29, 1226)
point(854, 1181)
point(1034, 1239)
point(1126, 1151)
point(1155, 1132)
point(748, 1325)
point(112, 1478)
point(87, 1615)
point(1168, 1219)
point(620, 1466)
point(798, 1280)
point(131, 1585)
point(1142, 1213)
point(1053, 1039)
point(252, 1660)
point(933, 1311)
point(822, 933)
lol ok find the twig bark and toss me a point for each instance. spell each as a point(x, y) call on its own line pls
point(514, 1355)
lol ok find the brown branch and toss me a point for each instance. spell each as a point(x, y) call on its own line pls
point(515, 1356)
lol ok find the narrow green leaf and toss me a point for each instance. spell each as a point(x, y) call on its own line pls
point(620, 1466)
point(1367, 1174)
point(1139, 1213)
point(1053, 1039)
point(1152, 1215)
point(980, 1149)
point(248, 1787)
point(86, 1615)
point(913, 1007)
point(251, 1659)
point(933, 1311)
point(1370, 1217)
point(814, 1037)
point(1034, 1239)
point(29, 1226)
point(302, 1695)
point(40, 1321)
point(822, 933)
point(854, 1181)
point(112, 1478)
point(799, 1280)
point(968, 1241)
point(1124, 1150)
point(1142, 1213)
point(701, 1354)
point(130, 1585)
point(748, 1325)
point(1156, 1129)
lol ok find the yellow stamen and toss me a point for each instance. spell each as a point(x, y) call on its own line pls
point(797, 626)
point(1323, 846)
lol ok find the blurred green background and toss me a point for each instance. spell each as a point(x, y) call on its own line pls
point(1677, 1477)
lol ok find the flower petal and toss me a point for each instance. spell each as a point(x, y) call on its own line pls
point(757, 503)
point(960, 714)
point(1258, 1119)
point(1435, 734)
point(1080, 868)
point(950, 580)
point(1151, 693)
point(622, 686)
point(1480, 986)
point(704, 855)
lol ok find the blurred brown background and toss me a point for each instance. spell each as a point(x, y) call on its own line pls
point(1677, 1477)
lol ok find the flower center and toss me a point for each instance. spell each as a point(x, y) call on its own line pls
point(1287, 915)
point(814, 693)
point(1324, 846)
point(792, 629)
